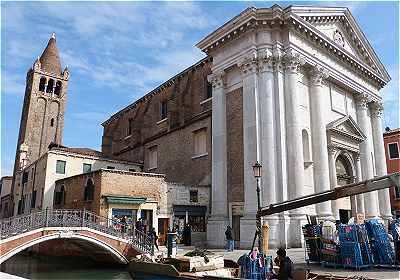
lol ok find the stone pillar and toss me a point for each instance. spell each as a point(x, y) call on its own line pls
point(359, 197)
point(333, 179)
point(219, 203)
point(295, 161)
point(370, 198)
point(268, 147)
point(380, 159)
point(319, 140)
point(250, 148)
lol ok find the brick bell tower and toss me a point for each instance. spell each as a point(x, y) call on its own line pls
point(42, 119)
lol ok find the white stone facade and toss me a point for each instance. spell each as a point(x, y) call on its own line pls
point(310, 86)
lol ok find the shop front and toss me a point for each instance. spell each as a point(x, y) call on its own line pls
point(190, 223)
point(132, 211)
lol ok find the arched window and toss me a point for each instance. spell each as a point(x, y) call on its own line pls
point(52, 122)
point(306, 146)
point(89, 190)
point(343, 171)
point(57, 90)
point(42, 84)
point(50, 86)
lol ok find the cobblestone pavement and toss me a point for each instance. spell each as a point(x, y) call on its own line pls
point(297, 256)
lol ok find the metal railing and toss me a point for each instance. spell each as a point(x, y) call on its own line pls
point(75, 218)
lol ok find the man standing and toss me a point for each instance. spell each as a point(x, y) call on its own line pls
point(228, 235)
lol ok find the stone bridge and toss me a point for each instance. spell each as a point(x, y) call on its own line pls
point(21, 232)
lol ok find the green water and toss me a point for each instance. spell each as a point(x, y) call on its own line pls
point(35, 267)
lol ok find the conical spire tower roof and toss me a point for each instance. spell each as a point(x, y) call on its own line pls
point(50, 58)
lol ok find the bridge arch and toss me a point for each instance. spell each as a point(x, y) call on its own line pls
point(58, 235)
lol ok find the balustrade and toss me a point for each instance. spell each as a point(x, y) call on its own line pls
point(75, 218)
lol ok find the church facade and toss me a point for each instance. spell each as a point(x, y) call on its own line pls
point(309, 83)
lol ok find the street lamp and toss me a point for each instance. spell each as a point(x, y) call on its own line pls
point(257, 168)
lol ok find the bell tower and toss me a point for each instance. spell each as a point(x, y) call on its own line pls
point(42, 119)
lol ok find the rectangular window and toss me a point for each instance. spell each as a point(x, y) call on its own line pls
point(393, 151)
point(194, 196)
point(60, 167)
point(209, 90)
point(153, 157)
point(110, 167)
point(87, 167)
point(33, 200)
point(200, 142)
point(163, 110)
point(130, 127)
point(397, 192)
point(25, 177)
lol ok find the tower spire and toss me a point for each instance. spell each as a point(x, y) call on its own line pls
point(50, 58)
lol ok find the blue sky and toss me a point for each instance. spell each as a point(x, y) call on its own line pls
point(118, 51)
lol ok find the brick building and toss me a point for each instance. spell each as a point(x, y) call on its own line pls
point(136, 195)
point(295, 88)
point(5, 196)
point(391, 139)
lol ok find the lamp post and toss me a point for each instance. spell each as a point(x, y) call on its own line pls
point(257, 174)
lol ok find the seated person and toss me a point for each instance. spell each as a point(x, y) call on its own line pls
point(285, 265)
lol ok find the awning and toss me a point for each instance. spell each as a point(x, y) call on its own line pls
point(125, 199)
point(180, 210)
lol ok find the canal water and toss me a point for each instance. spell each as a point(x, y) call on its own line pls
point(42, 267)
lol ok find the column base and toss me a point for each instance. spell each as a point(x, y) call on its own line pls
point(247, 231)
point(295, 232)
point(277, 236)
point(216, 227)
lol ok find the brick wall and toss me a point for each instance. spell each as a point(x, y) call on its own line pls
point(108, 182)
point(234, 127)
point(174, 136)
point(393, 165)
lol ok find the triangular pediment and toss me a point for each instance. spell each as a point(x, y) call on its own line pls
point(340, 27)
point(346, 126)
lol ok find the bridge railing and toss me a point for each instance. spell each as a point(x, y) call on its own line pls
point(75, 218)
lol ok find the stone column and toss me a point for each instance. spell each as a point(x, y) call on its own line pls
point(268, 146)
point(219, 203)
point(380, 159)
point(370, 198)
point(251, 148)
point(295, 161)
point(319, 140)
point(359, 197)
point(332, 151)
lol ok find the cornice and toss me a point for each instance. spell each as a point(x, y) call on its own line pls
point(252, 19)
point(326, 43)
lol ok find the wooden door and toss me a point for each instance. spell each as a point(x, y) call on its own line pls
point(162, 230)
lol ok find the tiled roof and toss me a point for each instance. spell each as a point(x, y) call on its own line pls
point(50, 58)
point(81, 151)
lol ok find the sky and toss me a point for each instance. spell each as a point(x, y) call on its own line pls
point(118, 51)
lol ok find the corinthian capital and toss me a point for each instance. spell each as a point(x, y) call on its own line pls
point(216, 79)
point(248, 64)
point(362, 101)
point(292, 60)
point(266, 61)
point(376, 109)
point(317, 75)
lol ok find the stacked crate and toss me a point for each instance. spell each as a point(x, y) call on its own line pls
point(312, 240)
point(381, 247)
point(354, 248)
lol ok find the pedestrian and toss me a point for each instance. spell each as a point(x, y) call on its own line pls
point(154, 236)
point(285, 265)
point(123, 223)
point(229, 239)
